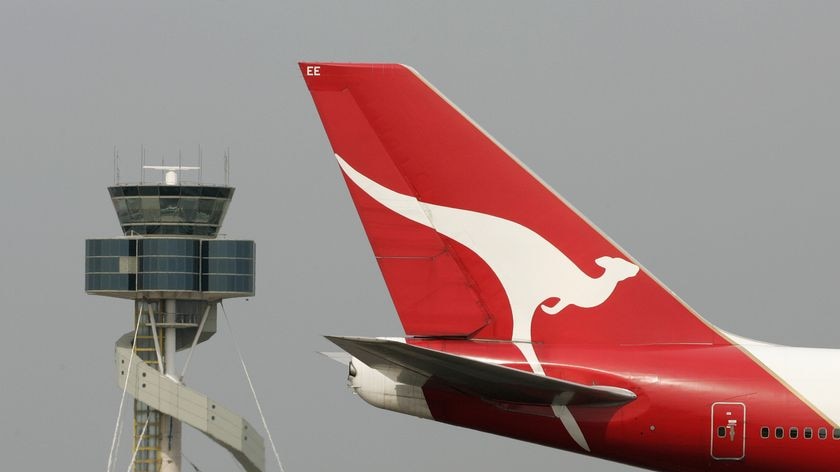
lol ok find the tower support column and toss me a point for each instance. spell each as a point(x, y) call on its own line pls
point(170, 449)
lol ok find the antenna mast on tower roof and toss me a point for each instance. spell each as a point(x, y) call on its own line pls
point(227, 166)
point(116, 165)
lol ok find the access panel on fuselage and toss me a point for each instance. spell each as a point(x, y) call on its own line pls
point(728, 431)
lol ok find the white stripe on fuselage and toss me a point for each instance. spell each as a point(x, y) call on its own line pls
point(813, 373)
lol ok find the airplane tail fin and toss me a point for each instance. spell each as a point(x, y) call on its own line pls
point(470, 242)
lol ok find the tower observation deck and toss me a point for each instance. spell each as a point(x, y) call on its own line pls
point(174, 267)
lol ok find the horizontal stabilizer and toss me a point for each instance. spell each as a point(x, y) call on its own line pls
point(489, 381)
point(340, 357)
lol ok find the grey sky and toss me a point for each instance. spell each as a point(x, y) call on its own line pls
point(702, 136)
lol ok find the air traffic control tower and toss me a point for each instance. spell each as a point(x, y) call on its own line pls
point(171, 264)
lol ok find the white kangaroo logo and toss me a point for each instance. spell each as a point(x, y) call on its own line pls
point(530, 269)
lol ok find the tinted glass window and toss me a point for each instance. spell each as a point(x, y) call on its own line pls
point(110, 247)
point(807, 433)
point(216, 192)
point(175, 229)
point(189, 209)
point(721, 432)
point(228, 266)
point(205, 230)
point(131, 191)
point(169, 210)
point(205, 210)
point(119, 282)
point(164, 281)
point(170, 213)
point(765, 432)
point(169, 247)
point(191, 191)
point(780, 433)
point(836, 434)
point(150, 208)
point(122, 209)
point(230, 249)
point(168, 264)
point(228, 283)
point(102, 264)
point(822, 433)
point(134, 211)
point(170, 190)
point(794, 433)
point(219, 207)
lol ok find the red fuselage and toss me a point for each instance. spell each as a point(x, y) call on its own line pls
point(670, 426)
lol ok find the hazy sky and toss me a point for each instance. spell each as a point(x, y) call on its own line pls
point(702, 136)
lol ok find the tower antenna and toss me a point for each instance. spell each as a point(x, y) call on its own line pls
point(200, 164)
point(116, 166)
point(227, 166)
